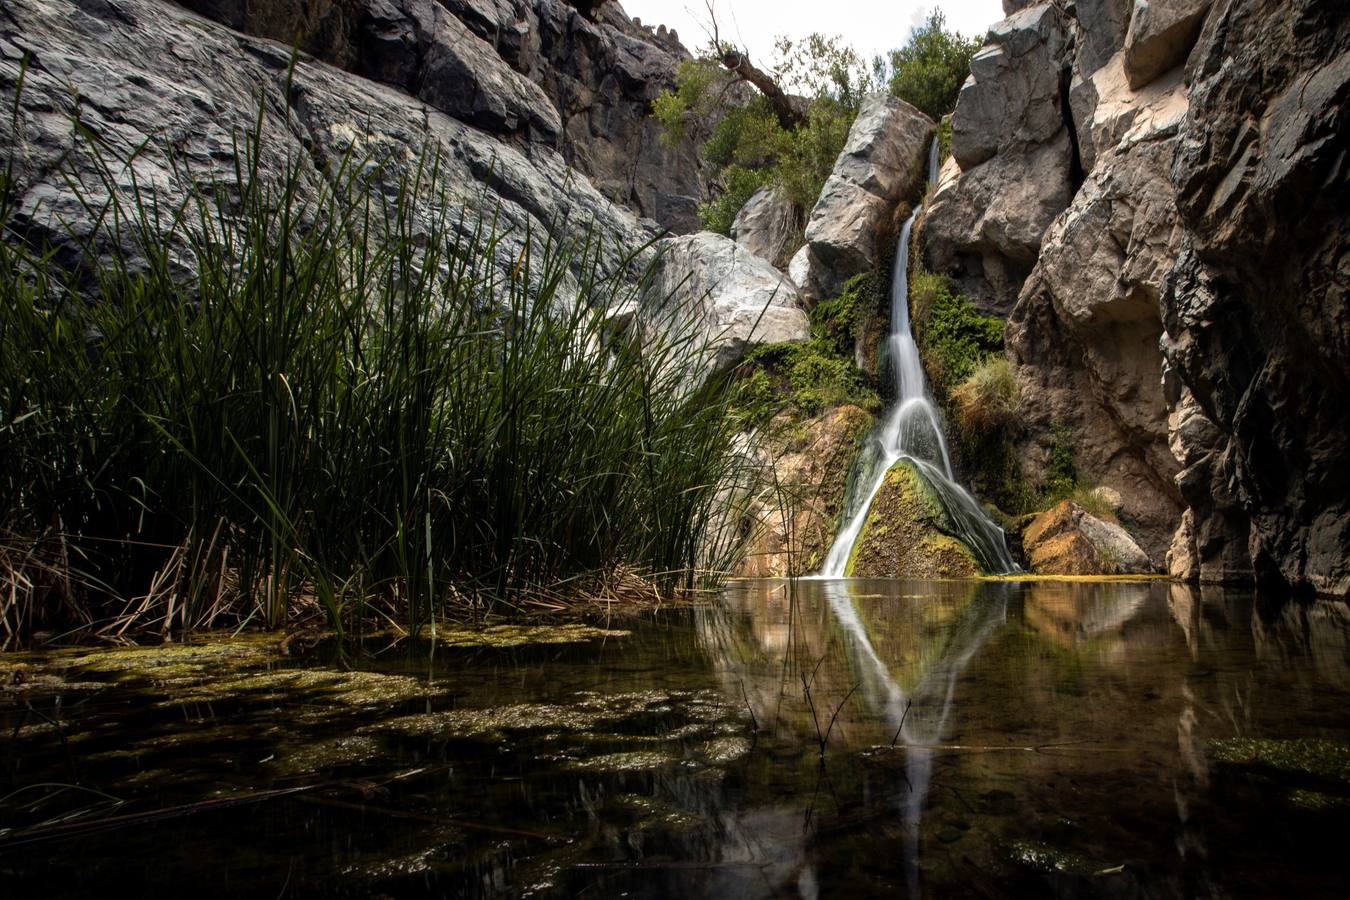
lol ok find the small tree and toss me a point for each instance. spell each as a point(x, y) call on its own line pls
point(928, 71)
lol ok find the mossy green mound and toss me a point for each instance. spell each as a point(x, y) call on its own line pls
point(1301, 759)
point(908, 533)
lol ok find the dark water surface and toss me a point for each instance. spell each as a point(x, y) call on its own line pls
point(980, 739)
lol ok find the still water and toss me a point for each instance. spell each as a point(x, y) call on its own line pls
point(828, 739)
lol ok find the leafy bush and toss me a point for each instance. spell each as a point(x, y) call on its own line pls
point(953, 336)
point(928, 71)
point(739, 184)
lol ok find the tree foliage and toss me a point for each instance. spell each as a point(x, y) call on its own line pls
point(928, 71)
point(743, 136)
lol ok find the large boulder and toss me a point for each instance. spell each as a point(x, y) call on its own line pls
point(1012, 97)
point(1161, 34)
point(1068, 540)
point(768, 225)
point(737, 299)
point(882, 162)
point(908, 534)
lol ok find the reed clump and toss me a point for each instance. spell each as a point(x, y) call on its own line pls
point(347, 403)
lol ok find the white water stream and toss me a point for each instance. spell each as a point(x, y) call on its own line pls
point(912, 430)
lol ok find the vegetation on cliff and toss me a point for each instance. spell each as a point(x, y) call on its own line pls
point(346, 403)
point(761, 136)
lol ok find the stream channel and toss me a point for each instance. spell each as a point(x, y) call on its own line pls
point(980, 738)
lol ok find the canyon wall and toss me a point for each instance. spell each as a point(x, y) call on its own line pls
point(1154, 194)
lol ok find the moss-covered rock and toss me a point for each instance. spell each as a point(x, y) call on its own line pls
point(795, 522)
point(908, 534)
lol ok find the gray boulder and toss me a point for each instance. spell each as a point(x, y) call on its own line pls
point(882, 163)
point(1012, 97)
point(735, 298)
point(1161, 34)
point(768, 226)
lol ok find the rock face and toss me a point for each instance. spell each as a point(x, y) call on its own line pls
point(1014, 160)
point(881, 164)
point(1068, 540)
point(767, 226)
point(144, 72)
point(908, 534)
point(1183, 314)
point(536, 70)
point(141, 71)
point(793, 538)
point(737, 298)
point(1255, 310)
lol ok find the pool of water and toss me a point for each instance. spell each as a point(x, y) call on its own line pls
point(828, 738)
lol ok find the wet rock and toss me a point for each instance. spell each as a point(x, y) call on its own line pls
point(767, 226)
point(882, 163)
point(738, 299)
point(1068, 540)
point(1161, 33)
point(813, 469)
point(908, 534)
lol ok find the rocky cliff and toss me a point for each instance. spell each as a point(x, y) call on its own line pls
point(1155, 195)
point(177, 95)
point(534, 70)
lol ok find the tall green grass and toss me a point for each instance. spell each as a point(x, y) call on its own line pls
point(348, 401)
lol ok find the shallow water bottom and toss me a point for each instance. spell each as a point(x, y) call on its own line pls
point(828, 738)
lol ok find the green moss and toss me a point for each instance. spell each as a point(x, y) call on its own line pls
point(836, 322)
point(1301, 758)
point(953, 336)
point(804, 378)
point(906, 534)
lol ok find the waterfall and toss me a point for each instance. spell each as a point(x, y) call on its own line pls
point(912, 430)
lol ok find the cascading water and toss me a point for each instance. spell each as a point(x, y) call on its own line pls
point(912, 431)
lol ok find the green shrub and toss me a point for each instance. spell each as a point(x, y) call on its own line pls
point(739, 185)
point(928, 71)
point(987, 401)
point(953, 336)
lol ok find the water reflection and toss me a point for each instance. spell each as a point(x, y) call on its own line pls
point(824, 738)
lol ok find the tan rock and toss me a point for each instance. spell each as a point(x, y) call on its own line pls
point(794, 523)
point(1068, 540)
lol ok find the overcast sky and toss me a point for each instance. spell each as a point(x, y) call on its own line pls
point(869, 26)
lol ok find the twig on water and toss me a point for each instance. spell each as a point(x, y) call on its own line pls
point(904, 715)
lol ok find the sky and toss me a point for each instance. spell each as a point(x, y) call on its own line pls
point(870, 27)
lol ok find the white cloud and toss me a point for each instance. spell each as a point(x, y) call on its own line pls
point(870, 27)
